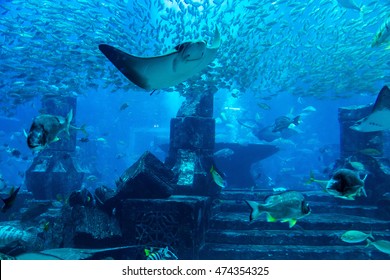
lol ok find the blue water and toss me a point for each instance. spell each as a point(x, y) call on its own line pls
point(51, 48)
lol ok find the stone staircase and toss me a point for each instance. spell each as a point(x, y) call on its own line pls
point(230, 235)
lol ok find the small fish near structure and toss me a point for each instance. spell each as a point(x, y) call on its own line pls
point(161, 254)
point(217, 178)
point(171, 69)
point(45, 130)
point(345, 184)
point(379, 118)
point(9, 201)
point(285, 207)
point(355, 236)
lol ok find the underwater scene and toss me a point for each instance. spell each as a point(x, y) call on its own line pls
point(195, 129)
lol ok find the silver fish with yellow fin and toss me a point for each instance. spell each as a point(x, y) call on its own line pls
point(285, 207)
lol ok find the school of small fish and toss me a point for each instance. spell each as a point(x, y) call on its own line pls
point(340, 48)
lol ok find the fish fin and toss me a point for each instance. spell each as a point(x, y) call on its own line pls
point(297, 120)
point(212, 169)
point(25, 133)
point(363, 191)
point(56, 139)
point(147, 252)
point(270, 218)
point(370, 235)
point(311, 178)
point(292, 222)
point(368, 242)
point(68, 120)
point(255, 211)
point(82, 129)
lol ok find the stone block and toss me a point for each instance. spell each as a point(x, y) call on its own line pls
point(192, 133)
point(53, 173)
point(179, 222)
point(199, 104)
point(90, 227)
point(148, 177)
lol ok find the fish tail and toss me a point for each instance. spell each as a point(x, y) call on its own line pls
point(82, 129)
point(297, 120)
point(368, 242)
point(370, 236)
point(256, 209)
point(311, 178)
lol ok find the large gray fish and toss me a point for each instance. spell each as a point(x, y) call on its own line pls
point(45, 130)
point(165, 71)
point(10, 234)
point(379, 119)
point(285, 207)
point(346, 184)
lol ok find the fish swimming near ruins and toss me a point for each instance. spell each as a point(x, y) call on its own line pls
point(355, 236)
point(46, 128)
point(161, 254)
point(285, 207)
point(345, 184)
point(159, 72)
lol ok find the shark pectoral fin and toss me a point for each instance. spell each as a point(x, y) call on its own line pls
point(270, 218)
point(292, 222)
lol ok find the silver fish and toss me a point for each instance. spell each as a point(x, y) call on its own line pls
point(285, 207)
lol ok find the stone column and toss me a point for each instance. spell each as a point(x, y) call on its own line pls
point(192, 139)
point(53, 171)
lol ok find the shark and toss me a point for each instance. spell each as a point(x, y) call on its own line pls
point(159, 72)
point(379, 118)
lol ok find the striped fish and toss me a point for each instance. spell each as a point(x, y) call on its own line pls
point(161, 254)
point(10, 234)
